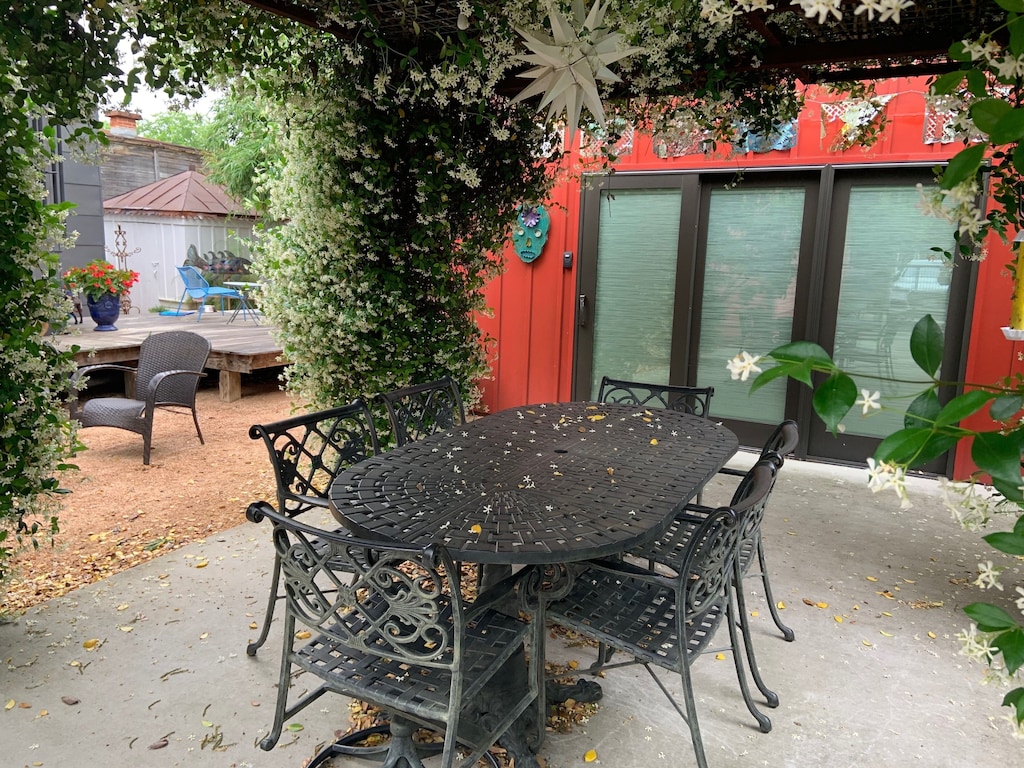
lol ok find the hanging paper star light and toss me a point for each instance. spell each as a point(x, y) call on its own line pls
point(571, 61)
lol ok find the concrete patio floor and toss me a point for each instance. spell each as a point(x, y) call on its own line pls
point(884, 686)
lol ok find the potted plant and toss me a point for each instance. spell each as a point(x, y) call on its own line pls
point(103, 284)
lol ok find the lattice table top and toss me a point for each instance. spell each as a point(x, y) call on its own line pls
point(556, 482)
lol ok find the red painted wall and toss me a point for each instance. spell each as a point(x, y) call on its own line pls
point(534, 304)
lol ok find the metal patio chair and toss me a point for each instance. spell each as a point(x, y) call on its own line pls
point(695, 400)
point(780, 443)
point(170, 366)
point(307, 453)
point(198, 289)
point(669, 620)
point(423, 409)
point(393, 631)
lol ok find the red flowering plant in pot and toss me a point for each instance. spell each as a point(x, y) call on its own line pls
point(103, 284)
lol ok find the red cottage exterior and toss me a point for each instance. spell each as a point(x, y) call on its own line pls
point(537, 353)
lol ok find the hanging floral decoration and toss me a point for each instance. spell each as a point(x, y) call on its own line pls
point(571, 61)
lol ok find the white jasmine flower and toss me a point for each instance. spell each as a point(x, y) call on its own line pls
point(869, 401)
point(743, 365)
point(988, 576)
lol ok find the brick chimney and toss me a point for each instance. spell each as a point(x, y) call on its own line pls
point(123, 123)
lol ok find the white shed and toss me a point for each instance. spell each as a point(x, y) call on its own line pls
point(160, 226)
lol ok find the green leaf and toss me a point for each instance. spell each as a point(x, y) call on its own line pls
point(923, 411)
point(903, 445)
point(963, 166)
point(1009, 128)
point(1006, 407)
point(934, 446)
point(926, 345)
point(802, 351)
point(961, 407)
point(947, 83)
point(957, 52)
point(989, 618)
point(1010, 543)
point(1015, 699)
point(768, 376)
point(1016, 26)
point(1013, 6)
point(834, 398)
point(977, 83)
point(986, 113)
point(999, 456)
point(1011, 645)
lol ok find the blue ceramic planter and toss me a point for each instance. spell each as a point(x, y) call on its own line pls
point(104, 310)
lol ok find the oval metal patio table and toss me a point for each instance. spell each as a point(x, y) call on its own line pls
point(537, 485)
point(541, 484)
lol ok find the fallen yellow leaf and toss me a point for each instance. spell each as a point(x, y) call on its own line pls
point(207, 724)
point(720, 656)
point(126, 628)
point(871, 578)
point(475, 528)
point(866, 642)
point(90, 645)
point(573, 664)
point(839, 619)
point(204, 635)
point(43, 713)
point(755, 614)
point(883, 633)
point(122, 607)
point(780, 605)
point(253, 625)
point(9, 705)
point(654, 441)
point(202, 564)
point(590, 756)
point(596, 417)
point(931, 635)
point(610, 470)
point(886, 613)
point(821, 605)
point(303, 634)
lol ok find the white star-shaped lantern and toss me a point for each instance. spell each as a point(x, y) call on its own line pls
point(570, 62)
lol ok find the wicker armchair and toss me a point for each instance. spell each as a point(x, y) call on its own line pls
point(168, 373)
point(423, 409)
point(394, 632)
point(669, 620)
point(307, 453)
point(695, 400)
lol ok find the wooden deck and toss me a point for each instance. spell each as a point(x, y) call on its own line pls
point(237, 348)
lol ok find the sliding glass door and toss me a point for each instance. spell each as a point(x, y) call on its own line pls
point(680, 272)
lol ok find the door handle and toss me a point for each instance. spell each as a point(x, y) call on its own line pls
point(581, 310)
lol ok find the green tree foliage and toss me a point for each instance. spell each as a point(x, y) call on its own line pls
point(187, 129)
point(57, 60)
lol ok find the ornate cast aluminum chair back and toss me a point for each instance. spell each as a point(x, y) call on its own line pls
point(695, 400)
point(669, 619)
point(782, 442)
point(170, 366)
point(423, 409)
point(307, 453)
point(389, 627)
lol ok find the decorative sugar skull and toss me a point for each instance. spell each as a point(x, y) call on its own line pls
point(530, 232)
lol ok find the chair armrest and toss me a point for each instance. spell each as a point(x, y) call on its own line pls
point(625, 568)
point(731, 471)
point(158, 379)
point(257, 510)
point(81, 373)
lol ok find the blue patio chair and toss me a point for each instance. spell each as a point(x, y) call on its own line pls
point(198, 289)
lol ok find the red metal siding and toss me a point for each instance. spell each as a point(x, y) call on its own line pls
point(534, 304)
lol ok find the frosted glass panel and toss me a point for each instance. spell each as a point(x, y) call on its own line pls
point(749, 287)
point(890, 280)
point(636, 278)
